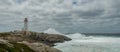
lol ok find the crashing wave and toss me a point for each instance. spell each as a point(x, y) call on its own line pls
point(81, 43)
point(76, 35)
point(52, 31)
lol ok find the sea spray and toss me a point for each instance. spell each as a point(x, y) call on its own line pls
point(81, 43)
point(52, 31)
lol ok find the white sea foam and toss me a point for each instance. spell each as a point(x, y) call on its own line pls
point(81, 43)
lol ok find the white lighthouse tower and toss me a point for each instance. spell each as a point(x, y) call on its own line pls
point(25, 29)
point(25, 24)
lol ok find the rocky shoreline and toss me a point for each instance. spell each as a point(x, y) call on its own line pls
point(39, 42)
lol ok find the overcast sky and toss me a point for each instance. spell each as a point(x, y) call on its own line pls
point(66, 16)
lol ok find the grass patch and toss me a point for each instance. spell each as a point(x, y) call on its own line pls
point(18, 47)
point(4, 34)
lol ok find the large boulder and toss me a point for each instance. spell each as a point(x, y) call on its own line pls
point(57, 38)
point(49, 39)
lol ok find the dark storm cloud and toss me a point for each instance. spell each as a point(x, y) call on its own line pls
point(89, 14)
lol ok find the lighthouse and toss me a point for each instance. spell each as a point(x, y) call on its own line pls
point(26, 24)
point(25, 28)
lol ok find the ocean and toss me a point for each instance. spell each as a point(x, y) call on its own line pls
point(92, 43)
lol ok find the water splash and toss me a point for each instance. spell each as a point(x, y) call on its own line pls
point(52, 31)
point(81, 43)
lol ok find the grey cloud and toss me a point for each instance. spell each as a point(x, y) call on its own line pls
point(85, 16)
point(89, 14)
